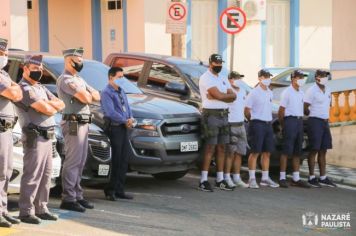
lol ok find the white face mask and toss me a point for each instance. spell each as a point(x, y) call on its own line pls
point(300, 82)
point(3, 61)
point(238, 83)
point(323, 80)
point(266, 82)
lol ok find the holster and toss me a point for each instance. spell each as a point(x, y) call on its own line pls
point(31, 137)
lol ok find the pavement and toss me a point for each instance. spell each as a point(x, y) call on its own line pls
point(178, 208)
point(340, 175)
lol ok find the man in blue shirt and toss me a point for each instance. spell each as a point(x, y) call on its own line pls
point(118, 116)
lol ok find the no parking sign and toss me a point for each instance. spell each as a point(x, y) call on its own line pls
point(233, 20)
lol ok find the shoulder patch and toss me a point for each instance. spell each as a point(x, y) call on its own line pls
point(73, 85)
point(27, 88)
point(68, 80)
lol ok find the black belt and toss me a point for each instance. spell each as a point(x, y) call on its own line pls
point(317, 118)
point(46, 132)
point(116, 124)
point(81, 118)
point(262, 121)
point(236, 124)
point(295, 117)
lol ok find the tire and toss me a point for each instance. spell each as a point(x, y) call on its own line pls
point(170, 175)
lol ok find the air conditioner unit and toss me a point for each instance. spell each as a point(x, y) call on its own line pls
point(254, 9)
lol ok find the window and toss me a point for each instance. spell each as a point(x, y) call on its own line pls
point(29, 5)
point(132, 67)
point(114, 5)
point(161, 75)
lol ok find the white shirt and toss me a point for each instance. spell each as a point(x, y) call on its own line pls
point(319, 101)
point(292, 101)
point(209, 80)
point(260, 103)
point(236, 108)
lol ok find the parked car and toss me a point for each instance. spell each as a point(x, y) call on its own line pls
point(15, 180)
point(166, 140)
point(177, 79)
point(282, 76)
point(97, 168)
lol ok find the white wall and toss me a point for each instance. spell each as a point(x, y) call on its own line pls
point(19, 24)
point(315, 33)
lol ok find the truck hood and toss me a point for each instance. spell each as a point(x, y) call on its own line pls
point(147, 106)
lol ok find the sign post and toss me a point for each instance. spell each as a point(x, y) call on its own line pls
point(232, 21)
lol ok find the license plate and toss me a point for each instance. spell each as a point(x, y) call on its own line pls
point(103, 170)
point(189, 146)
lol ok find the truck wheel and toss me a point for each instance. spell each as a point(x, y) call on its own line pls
point(170, 175)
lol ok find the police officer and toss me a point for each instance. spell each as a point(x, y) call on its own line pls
point(317, 103)
point(216, 93)
point(9, 92)
point(290, 116)
point(36, 111)
point(261, 138)
point(117, 113)
point(77, 95)
point(238, 138)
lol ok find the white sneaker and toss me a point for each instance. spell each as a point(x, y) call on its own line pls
point(230, 183)
point(240, 184)
point(252, 183)
point(268, 182)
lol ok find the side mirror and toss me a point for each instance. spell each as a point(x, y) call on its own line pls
point(176, 88)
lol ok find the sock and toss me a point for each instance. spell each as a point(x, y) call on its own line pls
point(219, 176)
point(323, 177)
point(311, 177)
point(236, 177)
point(296, 176)
point(282, 175)
point(265, 175)
point(227, 176)
point(204, 176)
point(251, 173)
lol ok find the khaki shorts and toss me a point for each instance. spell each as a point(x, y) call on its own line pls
point(238, 140)
point(218, 129)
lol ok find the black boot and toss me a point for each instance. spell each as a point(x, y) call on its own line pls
point(11, 219)
point(72, 206)
point(4, 223)
point(30, 219)
point(86, 204)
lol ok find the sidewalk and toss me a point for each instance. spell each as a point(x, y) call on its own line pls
point(340, 175)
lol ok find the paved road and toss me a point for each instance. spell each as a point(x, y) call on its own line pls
point(177, 208)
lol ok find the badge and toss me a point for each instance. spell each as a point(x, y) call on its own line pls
point(32, 94)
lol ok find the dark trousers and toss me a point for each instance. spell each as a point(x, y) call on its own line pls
point(120, 156)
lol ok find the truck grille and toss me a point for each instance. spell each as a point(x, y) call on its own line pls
point(99, 147)
point(181, 126)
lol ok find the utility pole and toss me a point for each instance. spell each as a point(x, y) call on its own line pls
point(178, 41)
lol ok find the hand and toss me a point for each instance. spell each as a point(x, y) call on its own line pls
point(209, 96)
point(129, 123)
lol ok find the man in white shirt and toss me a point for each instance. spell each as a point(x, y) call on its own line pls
point(216, 93)
point(258, 111)
point(290, 116)
point(238, 138)
point(317, 103)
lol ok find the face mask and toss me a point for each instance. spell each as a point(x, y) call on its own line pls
point(78, 66)
point(266, 82)
point(300, 82)
point(323, 80)
point(3, 61)
point(36, 75)
point(238, 83)
point(119, 81)
point(217, 69)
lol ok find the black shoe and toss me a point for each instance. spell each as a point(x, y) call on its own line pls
point(327, 182)
point(300, 183)
point(86, 204)
point(205, 186)
point(283, 183)
point(72, 206)
point(4, 223)
point(11, 219)
point(47, 216)
point(110, 196)
point(224, 186)
point(124, 196)
point(30, 219)
point(314, 183)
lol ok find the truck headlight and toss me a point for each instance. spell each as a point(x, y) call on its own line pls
point(147, 124)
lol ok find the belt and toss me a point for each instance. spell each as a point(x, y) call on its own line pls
point(216, 112)
point(317, 118)
point(262, 121)
point(46, 132)
point(295, 117)
point(116, 124)
point(81, 118)
point(236, 124)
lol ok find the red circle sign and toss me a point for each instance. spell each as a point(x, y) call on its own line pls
point(175, 11)
point(233, 20)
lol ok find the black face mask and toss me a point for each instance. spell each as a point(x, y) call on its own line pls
point(217, 69)
point(78, 66)
point(36, 75)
